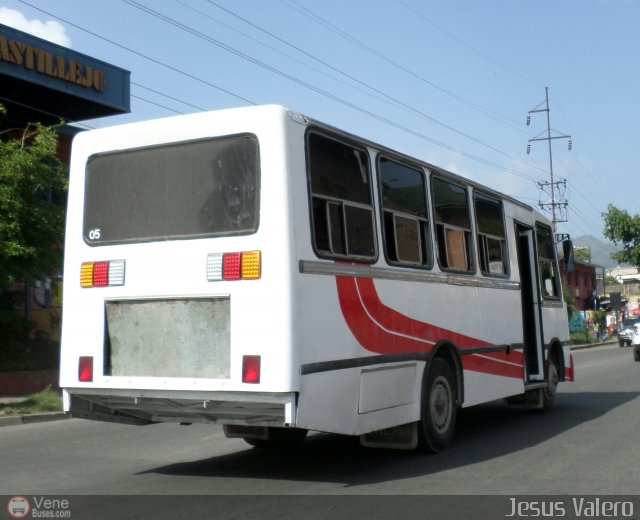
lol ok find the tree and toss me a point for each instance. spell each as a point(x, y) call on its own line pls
point(582, 255)
point(32, 182)
point(610, 281)
point(624, 229)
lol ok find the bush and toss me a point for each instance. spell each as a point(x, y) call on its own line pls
point(581, 337)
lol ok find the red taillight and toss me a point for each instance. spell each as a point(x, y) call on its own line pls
point(250, 369)
point(85, 369)
point(101, 274)
point(231, 263)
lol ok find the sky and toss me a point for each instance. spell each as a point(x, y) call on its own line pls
point(450, 82)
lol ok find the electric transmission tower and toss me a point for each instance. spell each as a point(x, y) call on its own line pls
point(554, 189)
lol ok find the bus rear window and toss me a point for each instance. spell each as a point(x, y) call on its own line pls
point(183, 190)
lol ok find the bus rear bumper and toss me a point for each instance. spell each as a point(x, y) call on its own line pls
point(151, 406)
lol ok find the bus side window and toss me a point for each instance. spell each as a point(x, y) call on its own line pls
point(550, 281)
point(341, 207)
point(492, 250)
point(404, 209)
point(453, 225)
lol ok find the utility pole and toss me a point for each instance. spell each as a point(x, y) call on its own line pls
point(558, 203)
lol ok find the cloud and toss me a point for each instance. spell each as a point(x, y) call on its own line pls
point(51, 30)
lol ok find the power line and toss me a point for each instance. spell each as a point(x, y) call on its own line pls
point(293, 4)
point(288, 56)
point(164, 94)
point(157, 62)
point(272, 69)
point(156, 104)
point(45, 112)
point(314, 88)
point(501, 65)
point(388, 97)
point(595, 179)
point(468, 45)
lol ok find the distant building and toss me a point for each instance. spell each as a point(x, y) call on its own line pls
point(581, 284)
point(625, 274)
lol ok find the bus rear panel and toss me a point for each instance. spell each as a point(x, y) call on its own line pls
point(178, 283)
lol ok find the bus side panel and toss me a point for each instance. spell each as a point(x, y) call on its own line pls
point(481, 388)
point(336, 332)
point(335, 395)
point(333, 401)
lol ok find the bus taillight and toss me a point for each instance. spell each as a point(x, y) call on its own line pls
point(85, 369)
point(102, 274)
point(250, 369)
point(234, 266)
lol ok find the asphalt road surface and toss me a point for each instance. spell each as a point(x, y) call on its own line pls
point(588, 444)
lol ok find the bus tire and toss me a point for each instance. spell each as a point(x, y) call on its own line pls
point(549, 391)
point(279, 438)
point(439, 407)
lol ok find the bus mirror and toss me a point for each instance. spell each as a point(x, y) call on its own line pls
point(569, 262)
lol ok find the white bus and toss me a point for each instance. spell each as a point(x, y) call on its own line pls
point(264, 271)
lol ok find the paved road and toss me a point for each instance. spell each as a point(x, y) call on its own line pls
point(588, 444)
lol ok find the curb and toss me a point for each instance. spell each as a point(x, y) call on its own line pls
point(591, 345)
point(14, 420)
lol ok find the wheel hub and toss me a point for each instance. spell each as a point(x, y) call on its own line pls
point(441, 405)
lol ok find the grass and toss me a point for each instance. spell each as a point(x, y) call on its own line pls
point(46, 400)
point(581, 337)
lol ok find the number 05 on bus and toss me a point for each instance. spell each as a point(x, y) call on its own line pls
point(260, 270)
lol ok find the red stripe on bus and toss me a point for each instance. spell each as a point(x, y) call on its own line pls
point(371, 334)
point(504, 365)
point(568, 371)
point(393, 320)
point(383, 330)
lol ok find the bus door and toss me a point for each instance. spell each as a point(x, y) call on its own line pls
point(531, 302)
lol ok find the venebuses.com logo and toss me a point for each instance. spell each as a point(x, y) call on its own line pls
point(38, 507)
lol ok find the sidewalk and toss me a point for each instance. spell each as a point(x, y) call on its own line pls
point(609, 341)
point(12, 420)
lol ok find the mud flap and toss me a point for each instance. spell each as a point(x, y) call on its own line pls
point(403, 437)
point(530, 400)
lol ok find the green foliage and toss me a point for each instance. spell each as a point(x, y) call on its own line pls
point(46, 400)
point(599, 316)
point(571, 306)
point(582, 255)
point(611, 280)
point(581, 337)
point(622, 228)
point(32, 180)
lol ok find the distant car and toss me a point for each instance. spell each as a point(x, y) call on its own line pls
point(625, 331)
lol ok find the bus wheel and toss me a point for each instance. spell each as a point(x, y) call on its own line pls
point(549, 391)
point(439, 407)
point(279, 438)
